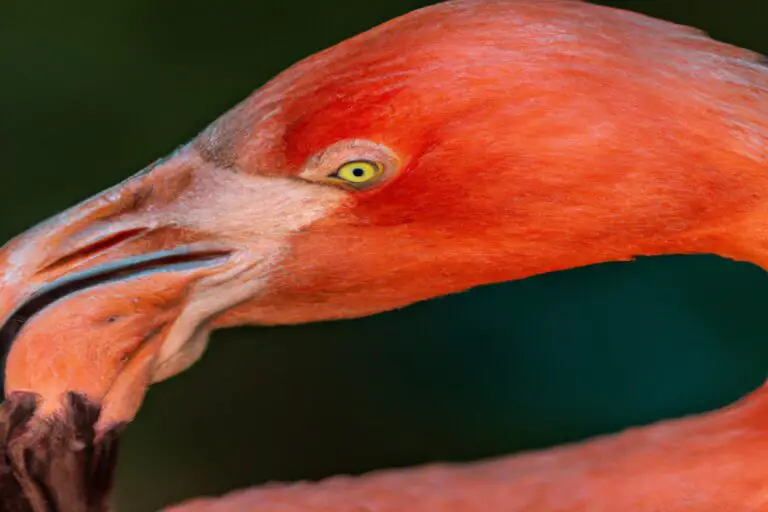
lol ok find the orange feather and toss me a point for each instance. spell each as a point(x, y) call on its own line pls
point(538, 136)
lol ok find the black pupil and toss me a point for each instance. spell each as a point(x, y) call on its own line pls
point(358, 172)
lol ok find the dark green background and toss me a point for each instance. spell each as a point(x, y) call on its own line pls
point(91, 91)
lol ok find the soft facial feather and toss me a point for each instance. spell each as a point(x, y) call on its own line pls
point(535, 137)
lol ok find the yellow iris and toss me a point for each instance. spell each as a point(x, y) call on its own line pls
point(359, 172)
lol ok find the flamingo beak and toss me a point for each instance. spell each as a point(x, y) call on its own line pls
point(121, 291)
point(90, 299)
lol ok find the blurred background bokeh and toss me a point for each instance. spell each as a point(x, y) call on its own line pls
point(92, 91)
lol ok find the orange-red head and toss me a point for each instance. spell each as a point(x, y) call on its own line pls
point(466, 143)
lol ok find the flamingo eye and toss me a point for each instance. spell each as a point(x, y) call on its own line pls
point(352, 164)
point(357, 173)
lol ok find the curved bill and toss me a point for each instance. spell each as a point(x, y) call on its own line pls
point(122, 290)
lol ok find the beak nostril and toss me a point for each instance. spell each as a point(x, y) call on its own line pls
point(95, 247)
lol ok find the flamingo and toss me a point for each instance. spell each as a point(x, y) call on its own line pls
point(466, 143)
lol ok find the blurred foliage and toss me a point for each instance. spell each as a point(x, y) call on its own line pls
point(91, 92)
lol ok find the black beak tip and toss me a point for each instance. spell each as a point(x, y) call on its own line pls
point(55, 464)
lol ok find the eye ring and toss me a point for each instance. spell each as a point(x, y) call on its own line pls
point(352, 164)
point(357, 173)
